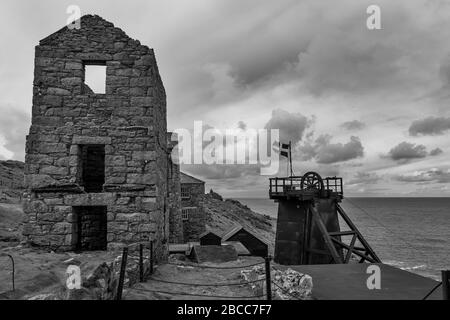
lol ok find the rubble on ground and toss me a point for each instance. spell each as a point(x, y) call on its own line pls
point(287, 284)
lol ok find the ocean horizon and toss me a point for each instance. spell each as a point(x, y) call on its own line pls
point(406, 232)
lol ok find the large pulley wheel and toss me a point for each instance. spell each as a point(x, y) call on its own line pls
point(311, 181)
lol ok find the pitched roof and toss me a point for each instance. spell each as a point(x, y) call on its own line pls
point(185, 178)
point(235, 230)
point(207, 232)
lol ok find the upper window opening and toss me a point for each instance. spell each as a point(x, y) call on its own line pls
point(95, 78)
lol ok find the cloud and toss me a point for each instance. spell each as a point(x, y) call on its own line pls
point(353, 125)
point(325, 152)
point(436, 151)
point(406, 151)
point(242, 125)
point(292, 126)
point(14, 124)
point(433, 175)
point(222, 171)
point(364, 178)
point(429, 126)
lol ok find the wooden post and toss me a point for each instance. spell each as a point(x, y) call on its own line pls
point(268, 280)
point(446, 284)
point(323, 229)
point(151, 257)
point(123, 267)
point(141, 263)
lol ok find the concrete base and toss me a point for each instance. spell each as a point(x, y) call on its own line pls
point(349, 282)
point(217, 254)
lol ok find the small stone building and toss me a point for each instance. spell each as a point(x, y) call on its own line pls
point(96, 166)
point(192, 211)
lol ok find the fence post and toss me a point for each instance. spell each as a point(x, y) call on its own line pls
point(141, 263)
point(268, 280)
point(13, 271)
point(446, 284)
point(123, 266)
point(151, 257)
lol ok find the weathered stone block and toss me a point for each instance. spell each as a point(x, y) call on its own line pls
point(144, 155)
point(62, 228)
point(146, 178)
point(90, 140)
point(35, 181)
point(71, 81)
point(58, 91)
point(111, 160)
point(73, 65)
point(52, 100)
point(53, 170)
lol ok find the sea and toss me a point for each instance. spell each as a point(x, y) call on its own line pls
point(409, 233)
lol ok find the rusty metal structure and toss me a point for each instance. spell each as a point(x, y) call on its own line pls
point(308, 225)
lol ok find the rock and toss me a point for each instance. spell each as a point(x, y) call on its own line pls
point(44, 296)
point(288, 284)
point(215, 195)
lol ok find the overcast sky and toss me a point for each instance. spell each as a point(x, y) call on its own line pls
point(369, 105)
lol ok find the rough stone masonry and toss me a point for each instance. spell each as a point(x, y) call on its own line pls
point(96, 164)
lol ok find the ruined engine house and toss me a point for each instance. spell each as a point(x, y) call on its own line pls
point(96, 167)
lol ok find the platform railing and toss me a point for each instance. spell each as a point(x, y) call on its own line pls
point(284, 185)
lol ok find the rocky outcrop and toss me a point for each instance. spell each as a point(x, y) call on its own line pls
point(11, 180)
point(221, 216)
point(101, 283)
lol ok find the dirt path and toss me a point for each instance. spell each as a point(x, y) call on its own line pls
point(194, 274)
point(39, 271)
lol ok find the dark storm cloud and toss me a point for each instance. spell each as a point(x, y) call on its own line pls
point(325, 152)
point(353, 125)
point(14, 125)
point(242, 125)
point(406, 151)
point(432, 175)
point(292, 126)
point(429, 126)
point(436, 151)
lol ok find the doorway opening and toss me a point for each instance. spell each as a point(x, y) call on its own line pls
point(90, 228)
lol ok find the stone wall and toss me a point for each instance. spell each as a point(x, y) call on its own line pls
point(196, 223)
point(175, 220)
point(129, 121)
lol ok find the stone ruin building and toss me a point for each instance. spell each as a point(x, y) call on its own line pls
point(99, 172)
point(97, 167)
point(192, 211)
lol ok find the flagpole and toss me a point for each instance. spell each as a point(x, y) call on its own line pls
point(287, 163)
point(290, 158)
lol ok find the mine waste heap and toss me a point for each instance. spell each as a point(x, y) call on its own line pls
point(308, 228)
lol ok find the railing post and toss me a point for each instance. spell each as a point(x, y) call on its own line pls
point(123, 267)
point(151, 257)
point(13, 271)
point(446, 284)
point(268, 280)
point(141, 263)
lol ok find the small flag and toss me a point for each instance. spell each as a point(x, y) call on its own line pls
point(284, 149)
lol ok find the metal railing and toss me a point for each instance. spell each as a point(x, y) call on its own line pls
point(286, 185)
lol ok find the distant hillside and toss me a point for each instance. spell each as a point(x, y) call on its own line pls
point(222, 215)
point(11, 180)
